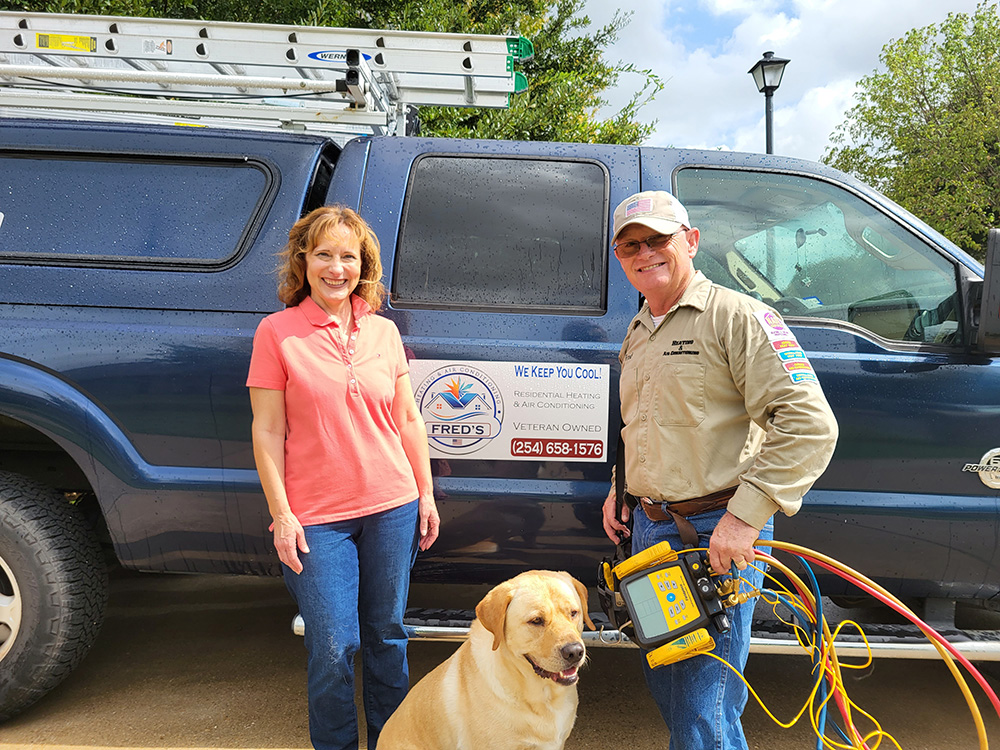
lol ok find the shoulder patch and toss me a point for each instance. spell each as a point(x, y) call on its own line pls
point(785, 347)
point(773, 325)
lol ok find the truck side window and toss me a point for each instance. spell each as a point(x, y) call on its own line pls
point(502, 234)
point(135, 211)
point(812, 249)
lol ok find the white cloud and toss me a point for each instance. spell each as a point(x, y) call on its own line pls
point(702, 51)
point(784, 31)
point(812, 114)
point(719, 7)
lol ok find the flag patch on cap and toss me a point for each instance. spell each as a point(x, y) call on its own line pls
point(639, 206)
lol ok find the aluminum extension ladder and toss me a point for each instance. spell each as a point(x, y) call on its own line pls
point(340, 82)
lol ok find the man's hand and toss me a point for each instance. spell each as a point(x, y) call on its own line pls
point(615, 528)
point(732, 542)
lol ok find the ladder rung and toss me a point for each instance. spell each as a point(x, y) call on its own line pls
point(370, 39)
point(121, 75)
point(183, 68)
point(266, 53)
point(40, 100)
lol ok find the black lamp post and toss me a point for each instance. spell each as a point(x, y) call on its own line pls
point(767, 74)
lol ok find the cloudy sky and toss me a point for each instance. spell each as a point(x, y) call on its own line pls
point(702, 50)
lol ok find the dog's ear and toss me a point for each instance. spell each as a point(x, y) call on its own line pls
point(492, 611)
point(582, 591)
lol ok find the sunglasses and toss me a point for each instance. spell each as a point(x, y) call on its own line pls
point(655, 242)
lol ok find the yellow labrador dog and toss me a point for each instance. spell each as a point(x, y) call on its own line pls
point(512, 684)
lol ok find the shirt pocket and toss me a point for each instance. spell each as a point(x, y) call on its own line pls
point(679, 394)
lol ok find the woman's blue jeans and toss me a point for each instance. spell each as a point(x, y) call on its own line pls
point(352, 594)
point(701, 699)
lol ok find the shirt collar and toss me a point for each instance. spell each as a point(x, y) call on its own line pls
point(695, 295)
point(319, 317)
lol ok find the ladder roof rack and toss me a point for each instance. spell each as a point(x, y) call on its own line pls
point(339, 82)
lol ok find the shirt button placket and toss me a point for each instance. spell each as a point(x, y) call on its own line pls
point(352, 376)
point(645, 399)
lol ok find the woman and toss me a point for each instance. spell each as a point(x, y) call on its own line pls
point(342, 456)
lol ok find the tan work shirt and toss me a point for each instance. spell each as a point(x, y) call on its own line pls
point(720, 395)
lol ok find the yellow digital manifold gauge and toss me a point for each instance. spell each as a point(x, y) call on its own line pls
point(671, 601)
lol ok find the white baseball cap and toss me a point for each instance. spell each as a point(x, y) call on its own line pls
point(656, 209)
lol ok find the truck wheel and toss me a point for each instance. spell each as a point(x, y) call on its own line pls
point(53, 591)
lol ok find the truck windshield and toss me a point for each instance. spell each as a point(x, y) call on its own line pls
point(813, 249)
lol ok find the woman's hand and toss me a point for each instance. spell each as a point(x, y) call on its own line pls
point(430, 522)
point(413, 436)
point(289, 540)
point(268, 432)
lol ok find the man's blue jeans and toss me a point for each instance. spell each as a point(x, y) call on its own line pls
point(701, 699)
point(352, 594)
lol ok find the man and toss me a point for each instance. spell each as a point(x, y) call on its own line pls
point(724, 424)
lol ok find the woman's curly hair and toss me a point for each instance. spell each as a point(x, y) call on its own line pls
point(312, 229)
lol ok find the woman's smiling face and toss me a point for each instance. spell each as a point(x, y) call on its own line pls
point(333, 269)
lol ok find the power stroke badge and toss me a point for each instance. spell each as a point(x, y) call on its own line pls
point(988, 469)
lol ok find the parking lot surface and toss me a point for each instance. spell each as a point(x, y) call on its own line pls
point(193, 662)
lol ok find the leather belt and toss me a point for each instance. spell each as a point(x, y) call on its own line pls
point(704, 504)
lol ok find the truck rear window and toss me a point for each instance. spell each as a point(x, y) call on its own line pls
point(96, 210)
point(501, 234)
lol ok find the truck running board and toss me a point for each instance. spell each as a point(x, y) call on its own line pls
point(768, 637)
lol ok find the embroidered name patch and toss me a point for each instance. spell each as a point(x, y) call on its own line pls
point(677, 347)
point(786, 347)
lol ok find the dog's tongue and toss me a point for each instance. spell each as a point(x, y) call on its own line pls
point(566, 677)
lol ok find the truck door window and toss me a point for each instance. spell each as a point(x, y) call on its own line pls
point(812, 249)
point(136, 212)
point(501, 234)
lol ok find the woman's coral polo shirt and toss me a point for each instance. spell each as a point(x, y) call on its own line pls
point(343, 455)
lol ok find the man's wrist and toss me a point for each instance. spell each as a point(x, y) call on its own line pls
point(752, 506)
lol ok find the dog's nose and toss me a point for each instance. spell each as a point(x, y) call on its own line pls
point(572, 652)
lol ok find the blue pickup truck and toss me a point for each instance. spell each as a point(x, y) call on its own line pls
point(137, 260)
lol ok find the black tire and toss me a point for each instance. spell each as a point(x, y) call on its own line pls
point(53, 591)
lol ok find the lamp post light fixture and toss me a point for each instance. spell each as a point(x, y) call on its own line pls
point(767, 74)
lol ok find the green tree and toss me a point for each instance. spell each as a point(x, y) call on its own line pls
point(566, 78)
point(926, 129)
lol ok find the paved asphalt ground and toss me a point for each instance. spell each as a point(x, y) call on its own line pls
point(194, 662)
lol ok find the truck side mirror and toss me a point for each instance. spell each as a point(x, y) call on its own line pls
point(988, 338)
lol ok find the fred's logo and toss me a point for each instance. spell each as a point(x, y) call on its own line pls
point(462, 408)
